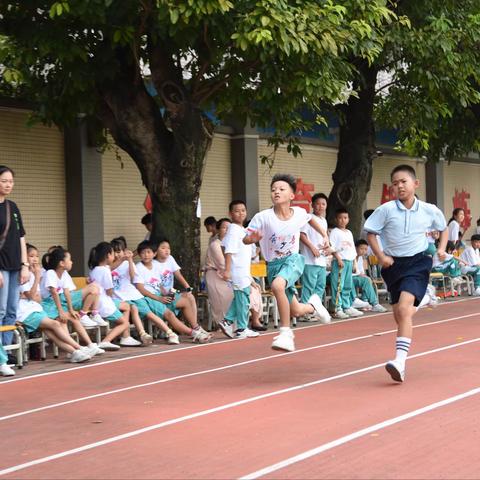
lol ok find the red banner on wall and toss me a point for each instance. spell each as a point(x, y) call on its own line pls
point(460, 201)
point(303, 195)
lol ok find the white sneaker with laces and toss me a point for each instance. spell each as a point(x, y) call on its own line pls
point(226, 328)
point(146, 339)
point(396, 370)
point(87, 322)
point(284, 341)
point(99, 320)
point(358, 303)
point(129, 342)
point(379, 308)
point(353, 312)
point(247, 333)
point(320, 311)
point(199, 335)
point(79, 356)
point(6, 371)
point(93, 349)
point(173, 339)
point(341, 314)
point(108, 346)
point(477, 292)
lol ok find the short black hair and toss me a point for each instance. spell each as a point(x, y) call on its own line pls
point(119, 243)
point(31, 247)
point(145, 245)
point(339, 211)
point(236, 202)
point(219, 222)
point(361, 241)
point(475, 237)
point(367, 213)
point(404, 168)
point(285, 177)
point(162, 240)
point(209, 221)
point(146, 219)
point(319, 195)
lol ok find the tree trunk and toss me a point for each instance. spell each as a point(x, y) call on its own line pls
point(353, 172)
point(170, 154)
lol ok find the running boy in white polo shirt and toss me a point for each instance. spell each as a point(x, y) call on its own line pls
point(278, 231)
point(314, 276)
point(402, 224)
point(238, 258)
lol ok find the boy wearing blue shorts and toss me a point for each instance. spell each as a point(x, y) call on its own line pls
point(402, 224)
point(278, 231)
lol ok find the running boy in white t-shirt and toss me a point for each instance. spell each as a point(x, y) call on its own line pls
point(238, 258)
point(314, 276)
point(344, 254)
point(278, 231)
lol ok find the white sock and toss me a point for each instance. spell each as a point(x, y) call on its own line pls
point(402, 347)
point(285, 329)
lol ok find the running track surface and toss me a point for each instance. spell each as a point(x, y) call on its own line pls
point(237, 409)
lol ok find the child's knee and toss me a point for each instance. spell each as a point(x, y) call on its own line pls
point(278, 285)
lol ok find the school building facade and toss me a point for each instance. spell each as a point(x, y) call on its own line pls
point(71, 194)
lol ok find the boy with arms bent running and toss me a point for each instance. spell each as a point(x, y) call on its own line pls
point(278, 231)
point(402, 224)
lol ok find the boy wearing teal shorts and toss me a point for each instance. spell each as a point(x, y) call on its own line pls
point(278, 231)
point(149, 280)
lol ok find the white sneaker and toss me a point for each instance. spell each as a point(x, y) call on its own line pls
point(129, 342)
point(341, 314)
point(173, 339)
point(99, 320)
point(477, 292)
point(379, 308)
point(284, 341)
point(396, 370)
point(247, 333)
point(93, 349)
point(226, 328)
point(199, 335)
point(353, 312)
point(87, 322)
point(358, 303)
point(108, 346)
point(320, 311)
point(79, 356)
point(6, 371)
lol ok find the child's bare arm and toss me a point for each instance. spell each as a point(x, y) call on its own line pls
point(306, 241)
point(181, 279)
point(62, 314)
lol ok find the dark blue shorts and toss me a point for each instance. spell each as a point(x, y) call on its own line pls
point(408, 274)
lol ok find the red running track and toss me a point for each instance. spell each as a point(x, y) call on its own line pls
point(231, 409)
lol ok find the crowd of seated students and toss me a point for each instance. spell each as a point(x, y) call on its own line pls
point(122, 294)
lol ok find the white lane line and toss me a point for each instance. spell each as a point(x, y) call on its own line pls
point(220, 408)
point(358, 434)
point(125, 359)
point(217, 369)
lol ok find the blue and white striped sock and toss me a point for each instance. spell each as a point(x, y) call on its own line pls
point(402, 346)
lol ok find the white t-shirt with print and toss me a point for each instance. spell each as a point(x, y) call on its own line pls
point(317, 240)
point(102, 277)
point(167, 270)
point(150, 278)
point(453, 230)
point(241, 256)
point(25, 306)
point(360, 266)
point(281, 238)
point(50, 279)
point(123, 288)
point(343, 243)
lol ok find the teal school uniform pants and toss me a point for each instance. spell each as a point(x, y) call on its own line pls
point(239, 308)
point(314, 280)
point(346, 284)
point(366, 286)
